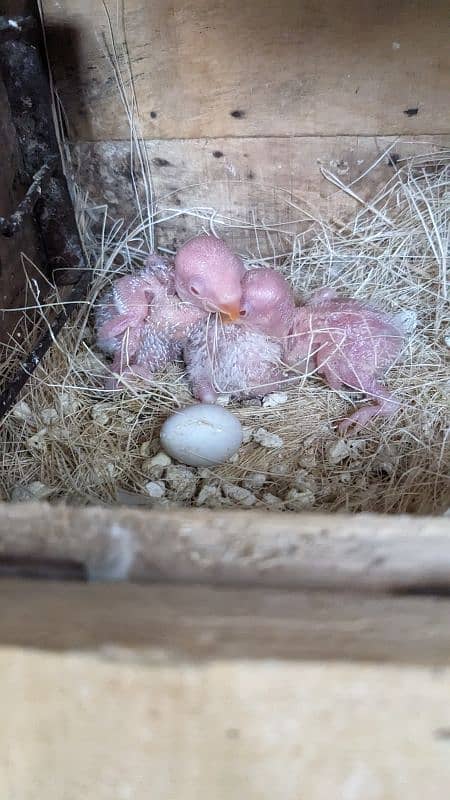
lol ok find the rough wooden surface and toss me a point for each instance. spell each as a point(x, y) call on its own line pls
point(79, 727)
point(267, 69)
point(14, 268)
point(25, 75)
point(201, 623)
point(275, 181)
point(381, 553)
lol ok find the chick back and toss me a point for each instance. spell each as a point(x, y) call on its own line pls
point(230, 359)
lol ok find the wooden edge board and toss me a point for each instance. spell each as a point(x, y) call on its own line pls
point(398, 553)
point(197, 622)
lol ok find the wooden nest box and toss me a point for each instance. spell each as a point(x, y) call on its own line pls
point(247, 94)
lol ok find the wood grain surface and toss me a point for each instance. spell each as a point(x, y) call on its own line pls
point(104, 728)
point(198, 623)
point(255, 69)
point(397, 553)
point(243, 182)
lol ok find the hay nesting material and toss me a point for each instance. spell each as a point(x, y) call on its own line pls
point(70, 438)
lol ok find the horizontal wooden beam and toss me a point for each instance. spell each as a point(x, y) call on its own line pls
point(276, 181)
point(197, 622)
point(278, 68)
point(398, 554)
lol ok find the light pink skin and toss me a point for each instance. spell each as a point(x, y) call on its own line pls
point(148, 334)
point(161, 336)
point(244, 359)
point(142, 321)
point(267, 302)
point(124, 307)
point(209, 274)
point(349, 344)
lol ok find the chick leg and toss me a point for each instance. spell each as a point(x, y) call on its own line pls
point(322, 296)
point(199, 366)
point(204, 391)
point(328, 366)
point(383, 405)
point(123, 356)
point(330, 377)
point(130, 301)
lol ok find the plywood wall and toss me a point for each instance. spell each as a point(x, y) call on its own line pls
point(248, 93)
point(278, 68)
point(104, 728)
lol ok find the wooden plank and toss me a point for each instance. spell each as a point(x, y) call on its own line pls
point(256, 69)
point(78, 726)
point(396, 553)
point(230, 742)
point(202, 623)
point(242, 179)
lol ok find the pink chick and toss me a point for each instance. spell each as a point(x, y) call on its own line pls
point(169, 323)
point(124, 307)
point(148, 334)
point(209, 275)
point(144, 318)
point(349, 344)
point(244, 360)
point(267, 302)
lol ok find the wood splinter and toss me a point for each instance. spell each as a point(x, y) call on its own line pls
point(9, 225)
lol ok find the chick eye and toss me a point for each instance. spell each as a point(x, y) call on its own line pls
point(194, 291)
point(243, 312)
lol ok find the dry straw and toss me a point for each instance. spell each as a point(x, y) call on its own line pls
point(70, 438)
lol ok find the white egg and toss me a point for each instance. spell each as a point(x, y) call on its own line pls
point(201, 435)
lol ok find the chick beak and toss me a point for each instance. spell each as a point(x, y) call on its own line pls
point(230, 313)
